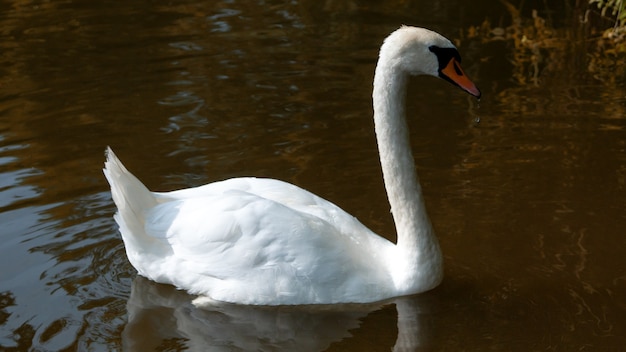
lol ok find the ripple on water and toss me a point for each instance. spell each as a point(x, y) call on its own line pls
point(69, 262)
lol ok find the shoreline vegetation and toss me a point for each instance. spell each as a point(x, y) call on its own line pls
point(589, 37)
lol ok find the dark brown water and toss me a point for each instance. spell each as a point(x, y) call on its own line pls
point(529, 203)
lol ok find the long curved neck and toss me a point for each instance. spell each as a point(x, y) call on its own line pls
point(418, 248)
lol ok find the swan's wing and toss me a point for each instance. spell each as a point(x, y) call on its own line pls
point(241, 245)
point(277, 191)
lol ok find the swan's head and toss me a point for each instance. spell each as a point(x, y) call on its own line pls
point(419, 51)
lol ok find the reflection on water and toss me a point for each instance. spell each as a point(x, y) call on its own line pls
point(160, 316)
point(529, 203)
point(63, 260)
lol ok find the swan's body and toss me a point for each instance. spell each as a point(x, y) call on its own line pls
point(267, 242)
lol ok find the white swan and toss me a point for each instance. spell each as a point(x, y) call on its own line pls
point(267, 242)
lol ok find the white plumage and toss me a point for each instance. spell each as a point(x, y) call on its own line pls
point(267, 242)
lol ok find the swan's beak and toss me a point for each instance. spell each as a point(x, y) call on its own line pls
point(454, 73)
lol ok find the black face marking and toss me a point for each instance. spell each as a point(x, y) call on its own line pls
point(444, 55)
point(457, 69)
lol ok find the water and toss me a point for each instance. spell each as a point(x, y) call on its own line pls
point(528, 204)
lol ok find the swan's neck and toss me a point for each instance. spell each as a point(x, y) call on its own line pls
point(419, 260)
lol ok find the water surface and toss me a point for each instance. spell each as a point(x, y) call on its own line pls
point(528, 203)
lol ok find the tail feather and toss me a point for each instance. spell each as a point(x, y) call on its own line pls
point(131, 197)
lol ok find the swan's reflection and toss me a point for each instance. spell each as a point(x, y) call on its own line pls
point(159, 316)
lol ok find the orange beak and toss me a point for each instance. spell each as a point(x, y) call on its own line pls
point(454, 73)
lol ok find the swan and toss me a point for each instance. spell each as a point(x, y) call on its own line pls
point(258, 241)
